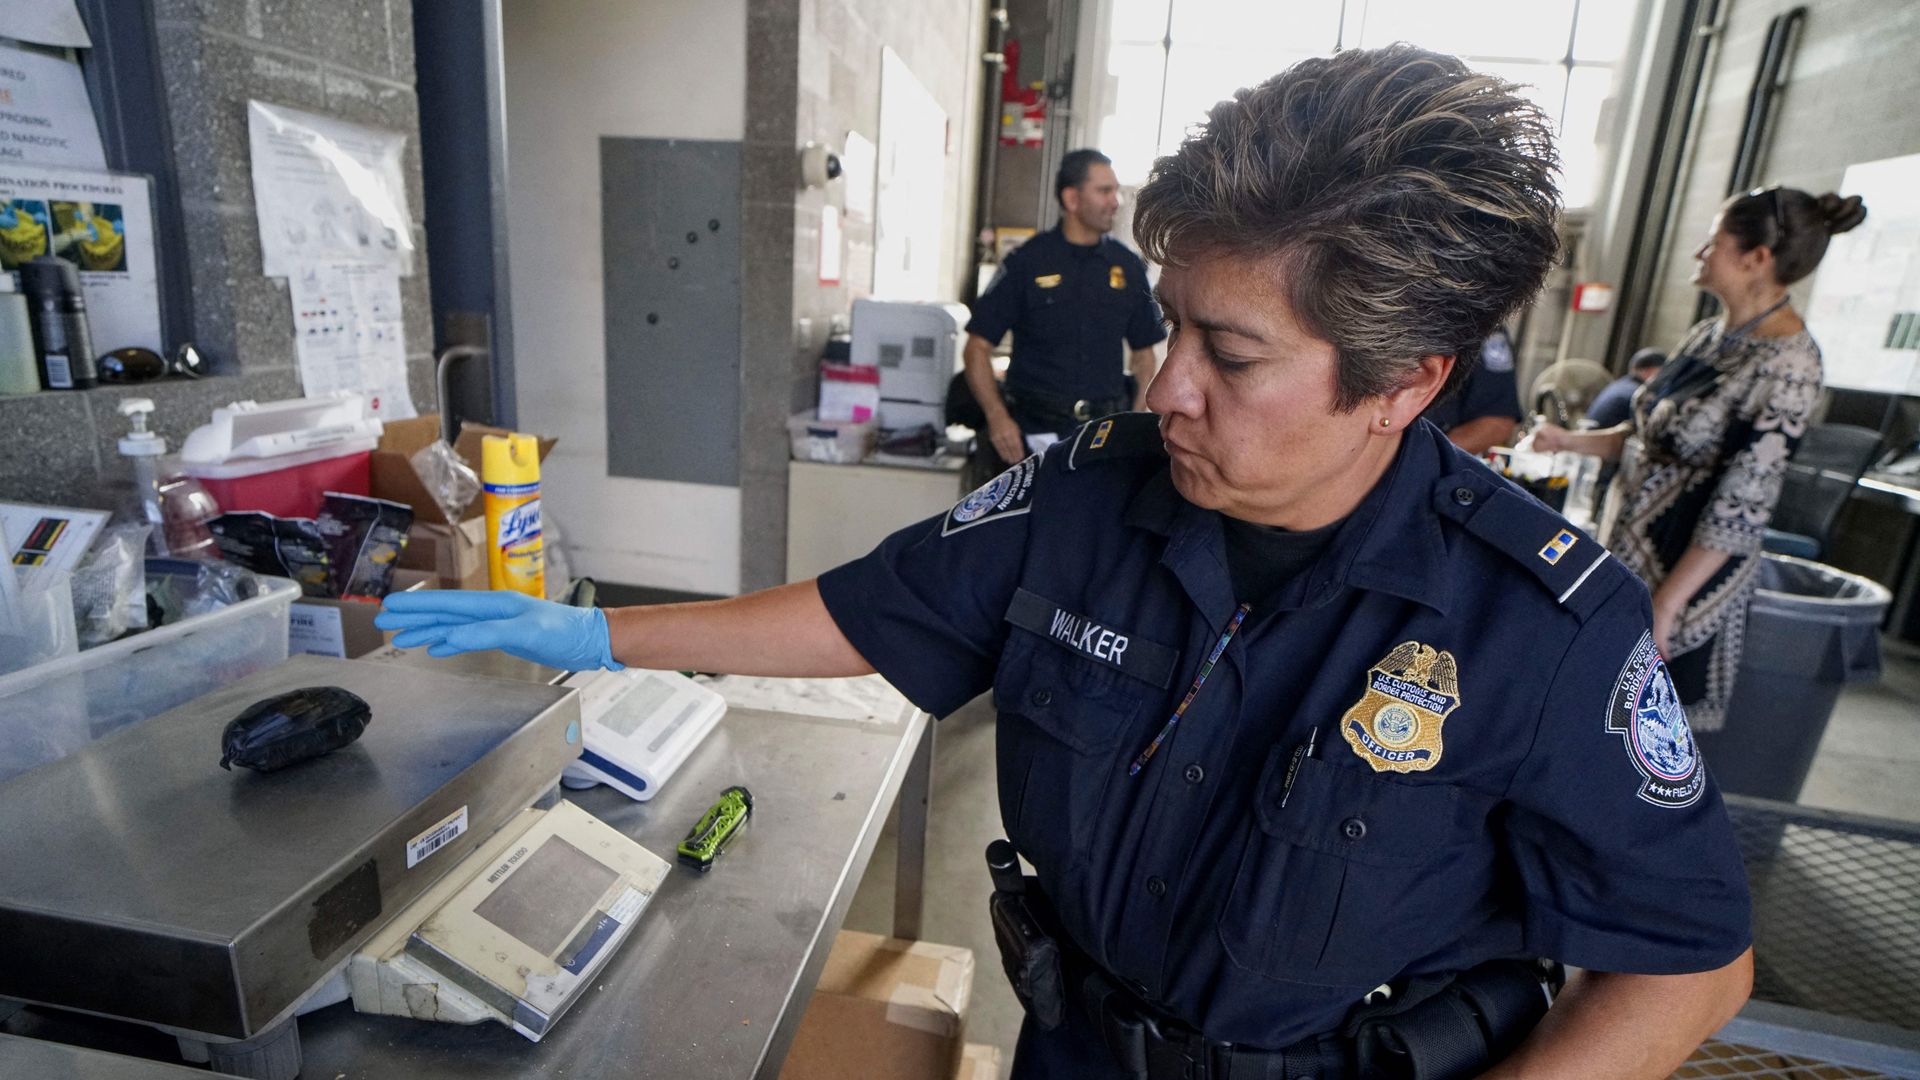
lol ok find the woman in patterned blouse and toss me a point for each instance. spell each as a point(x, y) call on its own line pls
point(1703, 455)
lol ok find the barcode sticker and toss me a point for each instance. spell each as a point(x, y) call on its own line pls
point(627, 906)
point(445, 832)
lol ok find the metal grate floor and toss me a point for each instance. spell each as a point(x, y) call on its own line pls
point(1719, 1059)
point(1836, 911)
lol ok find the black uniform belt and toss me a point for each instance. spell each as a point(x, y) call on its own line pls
point(1149, 1045)
point(1056, 411)
point(1429, 1027)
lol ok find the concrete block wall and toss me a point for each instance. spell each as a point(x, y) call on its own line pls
point(813, 73)
point(351, 59)
point(1845, 102)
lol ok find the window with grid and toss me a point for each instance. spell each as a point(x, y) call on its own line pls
point(1171, 60)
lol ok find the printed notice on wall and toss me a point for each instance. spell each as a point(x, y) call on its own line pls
point(44, 115)
point(327, 191)
point(45, 22)
point(103, 224)
point(349, 335)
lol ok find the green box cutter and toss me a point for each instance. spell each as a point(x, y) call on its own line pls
point(717, 829)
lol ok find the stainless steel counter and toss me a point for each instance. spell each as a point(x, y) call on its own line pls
point(721, 966)
point(714, 980)
point(36, 1058)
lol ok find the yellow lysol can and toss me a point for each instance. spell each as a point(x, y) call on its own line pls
point(510, 477)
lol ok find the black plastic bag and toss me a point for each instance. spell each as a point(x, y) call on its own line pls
point(290, 728)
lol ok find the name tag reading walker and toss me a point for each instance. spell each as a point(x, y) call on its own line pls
point(1145, 660)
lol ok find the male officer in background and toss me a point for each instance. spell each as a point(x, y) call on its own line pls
point(1485, 411)
point(1613, 405)
point(1071, 296)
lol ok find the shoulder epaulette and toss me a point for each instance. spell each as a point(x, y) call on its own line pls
point(1117, 437)
point(1572, 566)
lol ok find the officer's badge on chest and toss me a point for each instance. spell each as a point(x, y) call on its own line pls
point(1395, 726)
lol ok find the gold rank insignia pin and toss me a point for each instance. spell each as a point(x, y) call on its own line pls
point(1116, 277)
point(1561, 543)
point(1395, 726)
point(1047, 281)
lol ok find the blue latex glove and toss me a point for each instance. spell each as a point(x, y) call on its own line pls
point(452, 622)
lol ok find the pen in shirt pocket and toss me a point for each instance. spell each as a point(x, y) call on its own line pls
point(1301, 752)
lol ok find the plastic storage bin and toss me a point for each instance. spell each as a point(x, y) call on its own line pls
point(837, 442)
point(49, 710)
point(1810, 630)
point(283, 456)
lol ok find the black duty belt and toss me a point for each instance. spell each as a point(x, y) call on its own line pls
point(1052, 411)
point(1433, 1027)
point(1148, 1045)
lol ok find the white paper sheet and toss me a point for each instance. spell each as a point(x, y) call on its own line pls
point(857, 161)
point(45, 118)
point(349, 334)
point(44, 22)
point(327, 191)
point(102, 223)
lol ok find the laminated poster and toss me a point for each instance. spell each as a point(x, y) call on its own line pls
point(103, 224)
point(327, 191)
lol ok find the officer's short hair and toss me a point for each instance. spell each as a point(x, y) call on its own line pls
point(1073, 171)
point(1647, 360)
point(1411, 200)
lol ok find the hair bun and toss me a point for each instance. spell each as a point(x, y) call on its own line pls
point(1841, 214)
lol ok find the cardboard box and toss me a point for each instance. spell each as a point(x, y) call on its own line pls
point(344, 628)
point(391, 467)
point(452, 553)
point(978, 1061)
point(884, 1009)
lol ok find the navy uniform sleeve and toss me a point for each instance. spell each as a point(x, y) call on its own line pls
point(997, 309)
point(1613, 406)
point(1492, 389)
point(1145, 326)
point(927, 607)
point(1621, 841)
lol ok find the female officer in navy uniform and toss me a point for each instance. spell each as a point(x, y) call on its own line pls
point(1297, 700)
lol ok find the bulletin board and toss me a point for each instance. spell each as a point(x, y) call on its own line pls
point(1866, 297)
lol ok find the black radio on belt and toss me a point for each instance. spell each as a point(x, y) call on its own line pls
point(1029, 954)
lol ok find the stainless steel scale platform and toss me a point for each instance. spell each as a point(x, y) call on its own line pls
point(143, 882)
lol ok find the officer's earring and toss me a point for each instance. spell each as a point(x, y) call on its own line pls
point(1385, 423)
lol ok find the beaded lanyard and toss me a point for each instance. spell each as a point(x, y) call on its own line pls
point(1198, 680)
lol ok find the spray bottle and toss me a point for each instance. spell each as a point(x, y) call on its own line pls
point(510, 478)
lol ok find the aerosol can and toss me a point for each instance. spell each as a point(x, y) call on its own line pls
point(510, 478)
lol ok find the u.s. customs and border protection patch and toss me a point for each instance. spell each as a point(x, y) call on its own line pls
point(1395, 726)
point(1006, 495)
point(1645, 712)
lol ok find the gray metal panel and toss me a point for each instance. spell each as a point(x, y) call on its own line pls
point(144, 882)
point(670, 239)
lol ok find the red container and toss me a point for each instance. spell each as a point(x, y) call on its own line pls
point(288, 491)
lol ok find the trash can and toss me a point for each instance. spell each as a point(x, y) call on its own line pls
point(1811, 629)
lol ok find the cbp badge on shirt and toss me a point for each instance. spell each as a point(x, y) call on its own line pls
point(1395, 726)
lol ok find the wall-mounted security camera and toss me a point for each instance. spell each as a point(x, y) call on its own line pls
point(818, 165)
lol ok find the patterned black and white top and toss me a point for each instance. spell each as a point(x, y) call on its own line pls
point(1712, 436)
